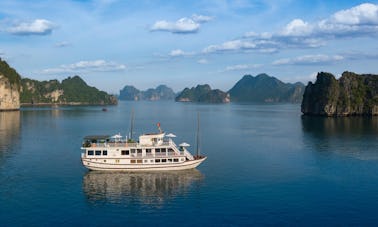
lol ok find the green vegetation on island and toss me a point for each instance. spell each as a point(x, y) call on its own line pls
point(352, 94)
point(203, 93)
point(9, 87)
point(9, 73)
point(161, 92)
point(71, 91)
point(264, 88)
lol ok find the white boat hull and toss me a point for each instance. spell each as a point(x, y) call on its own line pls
point(190, 164)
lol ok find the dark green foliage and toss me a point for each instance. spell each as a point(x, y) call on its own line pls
point(264, 88)
point(352, 94)
point(202, 93)
point(72, 91)
point(130, 93)
point(10, 73)
point(76, 90)
point(34, 91)
point(162, 92)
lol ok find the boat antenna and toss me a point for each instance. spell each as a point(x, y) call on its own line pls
point(198, 141)
point(131, 124)
point(158, 125)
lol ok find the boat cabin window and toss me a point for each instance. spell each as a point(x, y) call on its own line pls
point(139, 161)
point(133, 161)
point(164, 160)
point(157, 150)
point(90, 152)
point(97, 152)
point(133, 151)
point(157, 160)
point(148, 151)
point(125, 152)
point(139, 151)
point(175, 160)
point(170, 150)
point(169, 160)
point(163, 150)
point(104, 152)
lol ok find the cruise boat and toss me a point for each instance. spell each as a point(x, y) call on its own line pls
point(153, 152)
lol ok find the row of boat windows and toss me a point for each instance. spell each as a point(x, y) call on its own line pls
point(132, 151)
point(158, 160)
point(148, 151)
point(97, 152)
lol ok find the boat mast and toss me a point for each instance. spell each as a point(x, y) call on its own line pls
point(131, 124)
point(198, 141)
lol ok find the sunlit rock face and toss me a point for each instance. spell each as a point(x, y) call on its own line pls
point(9, 94)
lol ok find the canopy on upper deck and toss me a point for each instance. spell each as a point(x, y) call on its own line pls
point(97, 137)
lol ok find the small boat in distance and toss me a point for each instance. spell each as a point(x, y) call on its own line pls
point(153, 152)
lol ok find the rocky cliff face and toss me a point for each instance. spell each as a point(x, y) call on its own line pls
point(9, 87)
point(9, 95)
point(352, 94)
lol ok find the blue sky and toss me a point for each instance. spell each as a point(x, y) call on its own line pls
point(112, 43)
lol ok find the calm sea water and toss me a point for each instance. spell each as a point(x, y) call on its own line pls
point(267, 165)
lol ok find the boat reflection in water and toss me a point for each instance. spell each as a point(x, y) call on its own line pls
point(10, 128)
point(150, 188)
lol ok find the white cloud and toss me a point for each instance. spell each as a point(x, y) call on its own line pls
point(297, 27)
point(183, 25)
point(86, 66)
point(230, 46)
point(366, 13)
point(36, 27)
point(309, 60)
point(358, 21)
point(203, 61)
point(201, 18)
point(179, 53)
point(241, 67)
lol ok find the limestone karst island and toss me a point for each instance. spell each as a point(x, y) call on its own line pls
point(16, 91)
point(353, 94)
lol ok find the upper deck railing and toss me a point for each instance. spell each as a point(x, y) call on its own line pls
point(127, 144)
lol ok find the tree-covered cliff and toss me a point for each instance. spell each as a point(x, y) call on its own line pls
point(72, 90)
point(9, 87)
point(203, 93)
point(264, 88)
point(352, 94)
point(161, 92)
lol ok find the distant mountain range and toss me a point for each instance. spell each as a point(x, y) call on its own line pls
point(161, 92)
point(264, 88)
point(203, 93)
point(261, 88)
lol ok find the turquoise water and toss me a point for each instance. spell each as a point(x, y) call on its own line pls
point(267, 165)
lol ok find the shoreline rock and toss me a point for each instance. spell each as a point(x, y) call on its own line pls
point(352, 95)
point(9, 88)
